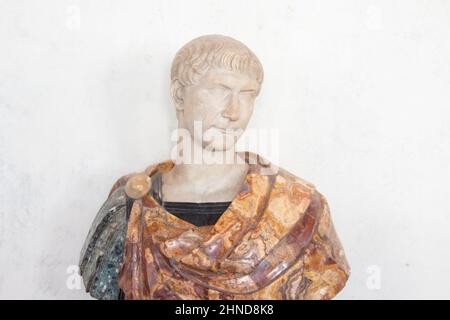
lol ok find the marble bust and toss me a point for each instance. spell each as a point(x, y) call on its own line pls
point(213, 223)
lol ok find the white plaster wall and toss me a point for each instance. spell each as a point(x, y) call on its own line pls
point(359, 91)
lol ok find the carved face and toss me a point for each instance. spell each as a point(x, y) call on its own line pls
point(222, 101)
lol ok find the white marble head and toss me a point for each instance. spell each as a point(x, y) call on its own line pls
point(214, 82)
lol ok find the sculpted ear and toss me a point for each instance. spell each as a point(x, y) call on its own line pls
point(177, 93)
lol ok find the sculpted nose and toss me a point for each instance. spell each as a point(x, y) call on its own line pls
point(232, 110)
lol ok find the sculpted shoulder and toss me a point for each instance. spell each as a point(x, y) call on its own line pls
point(102, 253)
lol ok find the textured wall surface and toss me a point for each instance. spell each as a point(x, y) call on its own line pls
point(359, 92)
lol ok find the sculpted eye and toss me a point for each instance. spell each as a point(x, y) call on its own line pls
point(250, 93)
point(219, 90)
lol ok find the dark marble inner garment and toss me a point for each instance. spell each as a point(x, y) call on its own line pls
point(199, 214)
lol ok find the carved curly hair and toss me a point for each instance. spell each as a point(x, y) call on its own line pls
point(196, 57)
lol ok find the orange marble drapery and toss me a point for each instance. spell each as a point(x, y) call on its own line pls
point(275, 241)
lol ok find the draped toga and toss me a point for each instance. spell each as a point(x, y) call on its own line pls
point(276, 240)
